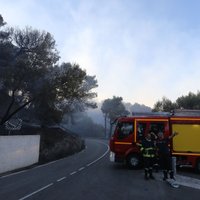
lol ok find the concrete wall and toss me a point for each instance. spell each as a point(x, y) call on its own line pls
point(18, 151)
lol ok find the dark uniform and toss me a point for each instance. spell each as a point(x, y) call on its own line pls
point(165, 157)
point(148, 153)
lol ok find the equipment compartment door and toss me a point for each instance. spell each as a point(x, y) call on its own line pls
point(188, 139)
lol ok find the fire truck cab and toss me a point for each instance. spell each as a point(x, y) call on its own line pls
point(130, 131)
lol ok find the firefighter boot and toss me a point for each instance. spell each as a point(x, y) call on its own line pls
point(165, 177)
point(146, 174)
point(171, 174)
point(151, 174)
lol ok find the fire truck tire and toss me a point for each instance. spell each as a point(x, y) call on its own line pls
point(133, 161)
point(197, 169)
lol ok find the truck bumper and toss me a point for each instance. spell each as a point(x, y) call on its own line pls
point(116, 158)
point(112, 156)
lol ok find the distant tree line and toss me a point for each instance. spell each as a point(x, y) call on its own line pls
point(33, 86)
point(189, 101)
point(114, 108)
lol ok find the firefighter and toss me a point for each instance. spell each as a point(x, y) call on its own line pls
point(148, 154)
point(164, 154)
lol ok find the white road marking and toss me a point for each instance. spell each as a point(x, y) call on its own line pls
point(61, 179)
point(39, 166)
point(100, 156)
point(43, 165)
point(31, 194)
point(73, 173)
point(81, 168)
point(13, 174)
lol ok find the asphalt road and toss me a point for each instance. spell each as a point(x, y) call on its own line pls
point(89, 175)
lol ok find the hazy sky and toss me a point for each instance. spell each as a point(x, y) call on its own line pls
point(140, 50)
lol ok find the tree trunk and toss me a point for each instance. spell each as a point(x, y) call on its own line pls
point(105, 125)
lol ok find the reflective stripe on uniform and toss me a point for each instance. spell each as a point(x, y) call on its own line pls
point(148, 155)
point(148, 152)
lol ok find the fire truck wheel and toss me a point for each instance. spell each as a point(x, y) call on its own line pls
point(198, 166)
point(133, 161)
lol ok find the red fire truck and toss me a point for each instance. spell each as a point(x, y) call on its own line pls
point(129, 131)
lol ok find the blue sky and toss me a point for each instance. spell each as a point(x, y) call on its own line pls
point(140, 50)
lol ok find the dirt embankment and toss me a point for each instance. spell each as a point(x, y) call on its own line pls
point(57, 143)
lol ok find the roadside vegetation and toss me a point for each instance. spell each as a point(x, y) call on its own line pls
point(57, 143)
point(34, 86)
point(36, 89)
